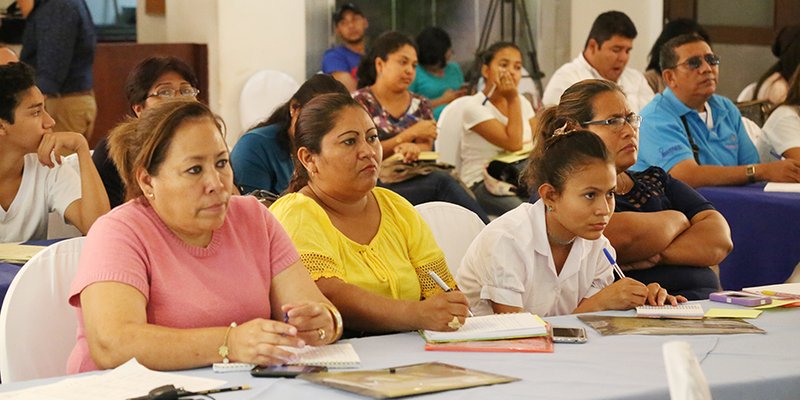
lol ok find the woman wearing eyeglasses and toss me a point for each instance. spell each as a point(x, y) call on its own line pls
point(663, 230)
point(153, 80)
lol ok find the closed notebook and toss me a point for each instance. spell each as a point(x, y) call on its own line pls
point(685, 311)
point(341, 355)
point(537, 344)
point(492, 327)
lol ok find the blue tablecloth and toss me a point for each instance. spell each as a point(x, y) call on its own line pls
point(9, 271)
point(624, 367)
point(765, 232)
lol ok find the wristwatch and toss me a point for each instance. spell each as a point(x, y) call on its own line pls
point(751, 173)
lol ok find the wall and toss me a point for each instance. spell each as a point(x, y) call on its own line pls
point(149, 28)
point(243, 36)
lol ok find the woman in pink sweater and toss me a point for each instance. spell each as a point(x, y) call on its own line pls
point(186, 274)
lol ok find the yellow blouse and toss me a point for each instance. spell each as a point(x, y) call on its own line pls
point(394, 264)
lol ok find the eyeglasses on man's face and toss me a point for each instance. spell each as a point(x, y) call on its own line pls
point(184, 91)
point(697, 61)
point(632, 119)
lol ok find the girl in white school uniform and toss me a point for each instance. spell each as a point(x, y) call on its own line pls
point(547, 257)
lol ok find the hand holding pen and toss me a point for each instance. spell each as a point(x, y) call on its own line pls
point(443, 285)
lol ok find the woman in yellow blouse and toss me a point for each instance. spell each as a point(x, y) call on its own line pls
point(367, 248)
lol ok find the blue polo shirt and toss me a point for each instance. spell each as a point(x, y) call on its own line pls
point(663, 141)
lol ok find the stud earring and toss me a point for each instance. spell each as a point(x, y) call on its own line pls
point(549, 208)
point(151, 195)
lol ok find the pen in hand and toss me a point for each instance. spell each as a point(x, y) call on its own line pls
point(614, 264)
point(444, 286)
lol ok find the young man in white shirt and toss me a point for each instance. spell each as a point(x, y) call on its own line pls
point(605, 56)
point(32, 180)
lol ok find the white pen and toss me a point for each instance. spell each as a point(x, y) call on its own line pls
point(444, 286)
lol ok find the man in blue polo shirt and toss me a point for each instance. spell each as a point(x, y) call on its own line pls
point(342, 61)
point(696, 135)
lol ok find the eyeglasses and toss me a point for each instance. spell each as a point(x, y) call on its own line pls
point(633, 119)
point(697, 61)
point(184, 91)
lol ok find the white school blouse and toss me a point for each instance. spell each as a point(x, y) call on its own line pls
point(510, 263)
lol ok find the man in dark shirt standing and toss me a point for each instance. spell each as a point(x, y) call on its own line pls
point(59, 42)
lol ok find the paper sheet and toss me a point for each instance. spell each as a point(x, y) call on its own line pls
point(18, 253)
point(732, 313)
point(782, 187)
point(128, 380)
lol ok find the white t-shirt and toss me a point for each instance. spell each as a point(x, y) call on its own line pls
point(43, 190)
point(781, 133)
point(477, 151)
point(510, 263)
point(632, 82)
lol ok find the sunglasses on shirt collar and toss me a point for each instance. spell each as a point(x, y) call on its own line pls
point(697, 61)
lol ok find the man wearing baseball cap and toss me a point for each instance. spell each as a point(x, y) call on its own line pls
point(342, 61)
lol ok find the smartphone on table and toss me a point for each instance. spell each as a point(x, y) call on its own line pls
point(285, 371)
point(569, 335)
point(740, 298)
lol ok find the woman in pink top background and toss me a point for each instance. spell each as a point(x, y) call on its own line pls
point(186, 274)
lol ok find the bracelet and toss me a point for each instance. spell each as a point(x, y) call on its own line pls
point(223, 350)
point(338, 326)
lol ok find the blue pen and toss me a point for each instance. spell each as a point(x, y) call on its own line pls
point(613, 263)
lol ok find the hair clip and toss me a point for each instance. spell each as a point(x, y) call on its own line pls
point(562, 130)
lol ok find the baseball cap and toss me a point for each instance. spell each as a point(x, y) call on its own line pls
point(339, 15)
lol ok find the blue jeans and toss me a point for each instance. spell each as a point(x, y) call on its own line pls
point(436, 186)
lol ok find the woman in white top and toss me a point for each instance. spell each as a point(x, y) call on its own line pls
point(547, 258)
point(497, 119)
point(782, 130)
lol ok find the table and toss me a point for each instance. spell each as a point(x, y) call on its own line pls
point(748, 366)
point(765, 228)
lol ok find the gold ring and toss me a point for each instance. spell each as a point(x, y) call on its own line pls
point(454, 324)
point(321, 333)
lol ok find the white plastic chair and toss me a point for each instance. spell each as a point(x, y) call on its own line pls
point(56, 227)
point(262, 93)
point(451, 126)
point(747, 93)
point(37, 325)
point(454, 228)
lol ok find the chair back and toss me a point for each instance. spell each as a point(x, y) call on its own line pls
point(37, 325)
point(748, 93)
point(454, 228)
point(451, 126)
point(262, 94)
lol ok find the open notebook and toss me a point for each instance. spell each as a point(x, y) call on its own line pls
point(684, 311)
point(783, 290)
point(340, 355)
point(491, 327)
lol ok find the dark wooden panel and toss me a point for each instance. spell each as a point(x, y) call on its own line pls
point(741, 34)
point(113, 62)
point(155, 7)
point(674, 9)
point(787, 12)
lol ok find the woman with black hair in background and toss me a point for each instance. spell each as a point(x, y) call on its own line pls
point(438, 79)
point(404, 120)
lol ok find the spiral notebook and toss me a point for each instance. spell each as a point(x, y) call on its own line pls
point(683, 311)
point(341, 355)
